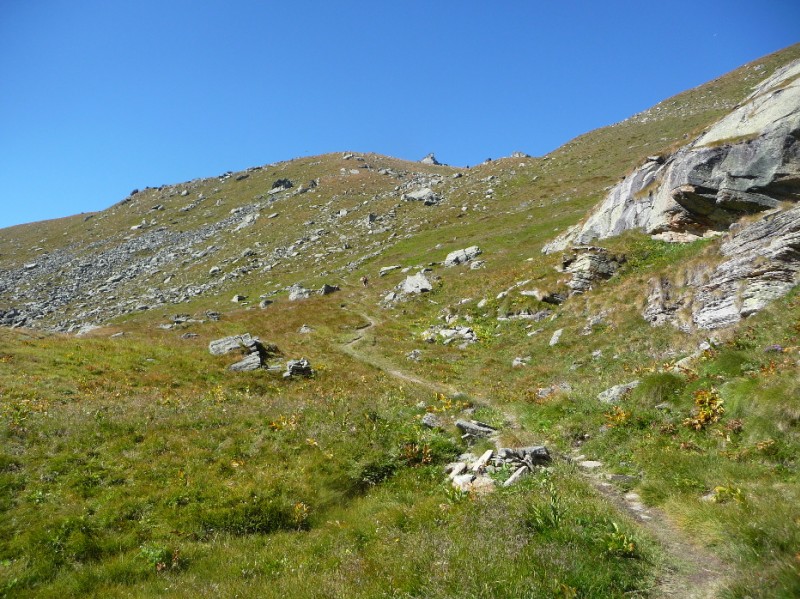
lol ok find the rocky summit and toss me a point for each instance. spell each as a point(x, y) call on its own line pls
point(350, 375)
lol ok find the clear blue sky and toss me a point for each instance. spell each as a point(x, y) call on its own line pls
point(99, 96)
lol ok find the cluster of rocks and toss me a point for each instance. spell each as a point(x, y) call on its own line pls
point(450, 334)
point(12, 318)
point(473, 474)
point(256, 355)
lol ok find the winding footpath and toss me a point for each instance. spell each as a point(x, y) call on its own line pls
point(692, 571)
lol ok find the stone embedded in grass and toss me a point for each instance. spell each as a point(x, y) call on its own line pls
point(425, 195)
point(327, 289)
point(590, 464)
point(518, 474)
point(462, 256)
point(251, 362)
point(556, 337)
point(474, 428)
point(481, 462)
point(519, 362)
point(617, 392)
point(301, 367)
point(545, 392)
point(226, 345)
point(431, 421)
point(387, 269)
point(298, 292)
point(417, 283)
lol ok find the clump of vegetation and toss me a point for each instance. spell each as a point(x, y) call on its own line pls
point(708, 409)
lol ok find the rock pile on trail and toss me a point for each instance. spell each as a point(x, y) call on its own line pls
point(477, 475)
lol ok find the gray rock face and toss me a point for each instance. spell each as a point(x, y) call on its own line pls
point(462, 256)
point(617, 392)
point(416, 284)
point(747, 162)
point(589, 264)
point(431, 160)
point(763, 264)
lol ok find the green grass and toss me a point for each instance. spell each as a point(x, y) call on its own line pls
point(139, 466)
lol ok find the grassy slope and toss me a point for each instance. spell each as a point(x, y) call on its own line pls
point(137, 464)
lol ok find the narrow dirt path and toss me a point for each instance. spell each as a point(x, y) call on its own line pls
point(692, 572)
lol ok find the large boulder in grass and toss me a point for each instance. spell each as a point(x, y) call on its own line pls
point(244, 343)
point(416, 284)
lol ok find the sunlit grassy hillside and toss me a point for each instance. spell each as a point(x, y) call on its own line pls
point(134, 463)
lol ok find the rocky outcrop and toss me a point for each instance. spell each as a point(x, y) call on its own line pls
point(747, 162)
point(763, 264)
point(589, 264)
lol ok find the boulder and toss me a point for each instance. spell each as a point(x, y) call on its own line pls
point(281, 185)
point(617, 392)
point(462, 256)
point(301, 367)
point(244, 343)
point(589, 264)
point(298, 292)
point(425, 195)
point(327, 289)
point(473, 428)
point(416, 284)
